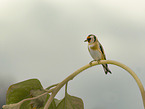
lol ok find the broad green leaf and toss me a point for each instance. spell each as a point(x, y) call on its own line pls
point(57, 101)
point(27, 89)
point(20, 91)
point(26, 105)
point(71, 102)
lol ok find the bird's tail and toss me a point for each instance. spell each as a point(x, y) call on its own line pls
point(106, 69)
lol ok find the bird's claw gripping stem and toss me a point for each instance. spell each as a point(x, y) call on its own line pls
point(93, 61)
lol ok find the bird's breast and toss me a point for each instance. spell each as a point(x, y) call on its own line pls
point(96, 55)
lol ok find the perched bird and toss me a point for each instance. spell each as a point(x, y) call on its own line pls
point(96, 51)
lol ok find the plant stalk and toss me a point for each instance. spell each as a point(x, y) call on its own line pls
point(70, 77)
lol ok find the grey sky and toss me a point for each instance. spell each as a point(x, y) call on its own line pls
point(44, 39)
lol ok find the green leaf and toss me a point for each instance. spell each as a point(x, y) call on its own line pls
point(57, 101)
point(20, 91)
point(70, 102)
point(27, 89)
point(26, 105)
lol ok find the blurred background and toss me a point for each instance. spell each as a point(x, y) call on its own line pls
point(44, 39)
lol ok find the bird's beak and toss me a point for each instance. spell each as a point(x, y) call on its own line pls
point(86, 40)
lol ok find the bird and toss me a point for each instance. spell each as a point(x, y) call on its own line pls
point(96, 51)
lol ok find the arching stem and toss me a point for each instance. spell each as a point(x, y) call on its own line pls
point(61, 84)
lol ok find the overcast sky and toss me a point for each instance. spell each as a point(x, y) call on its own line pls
point(44, 39)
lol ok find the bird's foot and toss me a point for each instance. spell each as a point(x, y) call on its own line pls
point(98, 61)
point(91, 62)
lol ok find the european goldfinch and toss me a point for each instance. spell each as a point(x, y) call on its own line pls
point(96, 50)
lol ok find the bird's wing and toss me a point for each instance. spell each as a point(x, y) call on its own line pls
point(102, 50)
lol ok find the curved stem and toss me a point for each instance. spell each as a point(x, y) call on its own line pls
point(61, 84)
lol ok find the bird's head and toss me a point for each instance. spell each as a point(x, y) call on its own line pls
point(91, 39)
